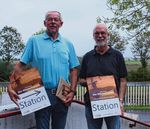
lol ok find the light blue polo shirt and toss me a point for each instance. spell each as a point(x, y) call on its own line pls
point(54, 59)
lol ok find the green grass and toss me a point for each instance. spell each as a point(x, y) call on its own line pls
point(133, 62)
point(134, 65)
point(137, 107)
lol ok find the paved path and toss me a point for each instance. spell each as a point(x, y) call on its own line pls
point(76, 117)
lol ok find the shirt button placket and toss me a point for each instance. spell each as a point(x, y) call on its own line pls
point(54, 47)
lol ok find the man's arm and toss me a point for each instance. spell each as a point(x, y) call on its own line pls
point(73, 80)
point(123, 85)
point(18, 68)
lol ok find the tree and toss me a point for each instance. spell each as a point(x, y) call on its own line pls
point(115, 39)
point(133, 18)
point(5, 71)
point(11, 44)
point(39, 32)
point(130, 15)
point(141, 49)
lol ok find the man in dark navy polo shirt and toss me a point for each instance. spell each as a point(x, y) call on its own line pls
point(103, 60)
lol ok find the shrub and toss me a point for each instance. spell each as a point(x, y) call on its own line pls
point(141, 74)
point(5, 70)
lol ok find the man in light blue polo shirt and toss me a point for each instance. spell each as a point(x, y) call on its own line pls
point(55, 58)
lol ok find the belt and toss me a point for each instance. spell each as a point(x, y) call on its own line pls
point(53, 91)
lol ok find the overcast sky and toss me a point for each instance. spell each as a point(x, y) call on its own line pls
point(79, 18)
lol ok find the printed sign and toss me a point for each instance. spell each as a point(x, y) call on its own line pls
point(103, 96)
point(32, 94)
point(33, 100)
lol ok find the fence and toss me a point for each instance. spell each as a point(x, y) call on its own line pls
point(3, 86)
point(137, 94)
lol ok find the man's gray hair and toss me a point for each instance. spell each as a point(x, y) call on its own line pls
point(101, 25)
point(49, 12)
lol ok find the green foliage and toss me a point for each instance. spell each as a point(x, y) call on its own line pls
point(11, 44)
point(133, 18)
point(141, 74)
point(39, 32)
point(5, 70)
point(130, 15)
point(117, 41)
point(141, 48)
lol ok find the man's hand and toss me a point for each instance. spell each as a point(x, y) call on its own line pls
point(83, 82)
point(18, 68)
point(12, 94)
point(121, 107)
point(69, 99)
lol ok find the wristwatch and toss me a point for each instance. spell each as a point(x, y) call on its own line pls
point(72, 90)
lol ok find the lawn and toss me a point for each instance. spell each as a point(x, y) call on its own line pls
point(137, 107)
point(134, 65)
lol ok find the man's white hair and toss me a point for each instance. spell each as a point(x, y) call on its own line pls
point(49, 12)
point(100, 25)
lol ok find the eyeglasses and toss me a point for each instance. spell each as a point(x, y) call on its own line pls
point(53, 19)
point(102, 33)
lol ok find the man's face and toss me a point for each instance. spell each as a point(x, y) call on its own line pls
point(53, 22)
point(100, 35)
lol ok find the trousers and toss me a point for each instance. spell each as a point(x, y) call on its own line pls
point(56, 114)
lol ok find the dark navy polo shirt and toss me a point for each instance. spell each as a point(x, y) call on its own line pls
point(110, 63)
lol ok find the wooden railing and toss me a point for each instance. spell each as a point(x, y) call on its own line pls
point(138, 93)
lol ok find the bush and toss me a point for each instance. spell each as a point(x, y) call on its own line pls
point(5, 70)
point(141, 74)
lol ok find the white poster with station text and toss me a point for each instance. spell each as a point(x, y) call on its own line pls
point(103, 96)
point(104, 108)
point(33, 100)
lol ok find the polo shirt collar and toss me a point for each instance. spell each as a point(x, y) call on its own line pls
point(108, 52)
point(46, 36)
